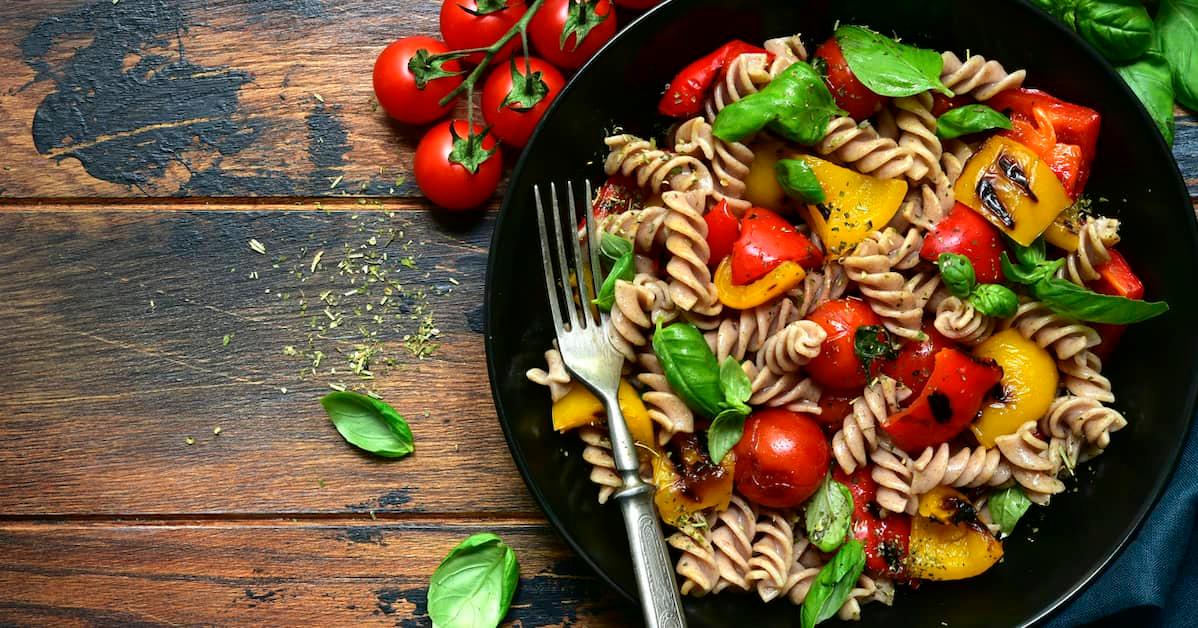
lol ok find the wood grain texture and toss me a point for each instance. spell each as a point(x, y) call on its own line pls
point(348, 573)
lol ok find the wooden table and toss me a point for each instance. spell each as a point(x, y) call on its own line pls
point(143, 144)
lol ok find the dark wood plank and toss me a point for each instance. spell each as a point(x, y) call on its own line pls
point(315, 574)
point(114, 359)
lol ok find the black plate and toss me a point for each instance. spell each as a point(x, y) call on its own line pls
point(1155, 372)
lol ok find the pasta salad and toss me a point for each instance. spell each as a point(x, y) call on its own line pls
point(864, 307)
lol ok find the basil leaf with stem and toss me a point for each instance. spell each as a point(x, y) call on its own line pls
point(994, 299)
point(1152, 81)
point(887, 67)
point(1073, 301)
point(725, 432)
point(1120, 29)
point(798, 180)
point(833, 584)
point(957, 273)
point(474, 585)
point(1007, 506)
point(690, 367)
point(969, 119)
point(624, 268)
point(829, 514)
point(369, 424)
point(1177, 39)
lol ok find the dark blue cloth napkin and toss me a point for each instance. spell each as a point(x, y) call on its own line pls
point(1155, 581)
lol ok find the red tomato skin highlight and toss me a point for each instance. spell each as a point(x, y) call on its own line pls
point(545, 31)
point(837, 365)
point(781, 459)
point(451, 185)
point(462, 30)
point(395, 87)
point(850, 94)
point(510, 125)
point(965, 232)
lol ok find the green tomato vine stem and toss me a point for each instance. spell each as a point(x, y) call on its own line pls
point(520, 27)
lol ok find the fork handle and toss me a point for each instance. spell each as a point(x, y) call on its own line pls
point(650, 560)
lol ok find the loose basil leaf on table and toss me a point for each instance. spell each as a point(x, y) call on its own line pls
point(1152, 81)
point(969, 119)
point(833, 584)
point(690, 367)
point(957, 273)
point(1120, 29)
point(887, 67)
point(1007, 506)
point(798, 180)
point(613, 247)
point(829, 514)
point(795, 105)
point(1177, 39)
point(369, 424)
point(624, 268)
point(994, 299)
point(474, 585)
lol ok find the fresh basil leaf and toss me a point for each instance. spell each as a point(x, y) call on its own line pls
point(1120, 29)
point(1152, 81)
point(1073, 301)
point(1017, 274)
point(874, 342)
point(734, 382)
point(690, 367)
point(957, 273)
point(473, 587)
point(624, 268)
point(1177, 39)
point(969, 119)
point(796, 105)
point(1064, 10)
point(833, 584)
point(994, 299)
point(369, 424)
point(829, 514)
point(725, 433)
point(798, 180)
point(1007, 506)
point(613, 247)
point(1032, 255)
point(887, 67)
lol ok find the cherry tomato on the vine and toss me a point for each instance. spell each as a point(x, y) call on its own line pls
point(458, 167)
point(517, 94)
point(408, 85)
point(480, 23)
point(781, 459)
point(568, 32)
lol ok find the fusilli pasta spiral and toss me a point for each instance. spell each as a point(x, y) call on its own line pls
point(819, 287)
point(729, 161)
point(638, 305)
point(977, 76)
point(555, 376)
point(773, 553)
point(746, 74)
point(1084, 417)
point(645, 228)
point(690, 279)
point(732, 535)
point(965, 468)
point(790, 391)
point(858, 435)
point(917, 135)
point(786, 50)
point(655, 168)
point(1095, 235)
point(696, 564)
point(792, 347)
point(860, 146)
point(744, 333)
point(1084, 378)
point(1031, 463)
point(665, 408)
point(898, 300)
point(959, 320)
point(1038, 323)
point(892, 471)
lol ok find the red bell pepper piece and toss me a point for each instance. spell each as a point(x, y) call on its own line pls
point(684, 95)
point(948, 404)
point(1117, 278)
point(723, 228)
point(913, 365)
point(1072, 124)
point(766, 240)
point(965, 232)
point(886, 541)
point(849, 92)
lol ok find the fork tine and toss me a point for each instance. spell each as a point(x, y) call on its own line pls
point(593, 243)
point(551, 289)
point(563, 261)
point(586, 280)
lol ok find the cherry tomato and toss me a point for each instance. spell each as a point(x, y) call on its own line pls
point(766, 240)
point(514, 99)
point(446, 181)
point(949, 402)
point(781, 459)
point(942, 103)
point(886, 540)
point(837, 365)
point(406, 96)
point(480, 23)
point(850, 94)
point(637, 4)
point(913, 365)
point(568, 32)
point(965, 232)
point(723, 228)
point(834, 406)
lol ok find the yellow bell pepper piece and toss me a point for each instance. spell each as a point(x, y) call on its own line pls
point(856, 205)
point(761, 184)
point(579, 407)
point(948, 551)
point(1008, 169)
point(776, 282)
point(1029, 383)
point(1063, 232)
point(700, 486)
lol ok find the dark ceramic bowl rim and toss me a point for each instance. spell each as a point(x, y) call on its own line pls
point(1144, 121)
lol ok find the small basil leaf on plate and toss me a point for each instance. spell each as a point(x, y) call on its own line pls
point(957, 273)
point(624, 268)
point(798, 180)
point(1007, 506)
point(833, 584)
point(690, 367)
point(474, 585)
point(873, 342)
point(969, 119)
point(796, 105)
point(613, 247)
point(829, 514)
point(887, 67)
point(994, 299)
point(735, 384)
point(725, 432)
point(369, 424)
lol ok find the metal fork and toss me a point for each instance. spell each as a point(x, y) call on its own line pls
point(583, 342)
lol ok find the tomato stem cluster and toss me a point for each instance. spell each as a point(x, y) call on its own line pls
point(468, 83)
